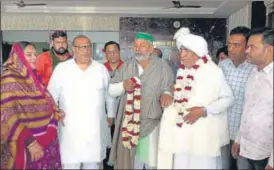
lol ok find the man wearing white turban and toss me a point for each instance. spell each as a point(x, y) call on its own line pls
point(194, 128)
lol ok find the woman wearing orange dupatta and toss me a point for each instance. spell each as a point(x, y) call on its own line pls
point(29, 116)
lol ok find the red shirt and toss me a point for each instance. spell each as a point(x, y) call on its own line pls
point(44, 67)
point(107, 65)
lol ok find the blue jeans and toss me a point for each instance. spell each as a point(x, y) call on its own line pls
point(228, 162)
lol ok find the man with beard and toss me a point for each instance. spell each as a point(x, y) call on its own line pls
point(143, 84)
point(112, 52)
point(254, 140)
point(47, 61)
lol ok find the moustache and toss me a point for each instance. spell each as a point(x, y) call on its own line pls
point(141, 57)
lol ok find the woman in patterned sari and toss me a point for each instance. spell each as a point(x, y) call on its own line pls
point(29, 116)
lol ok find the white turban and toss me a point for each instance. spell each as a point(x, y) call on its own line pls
point(194, 43)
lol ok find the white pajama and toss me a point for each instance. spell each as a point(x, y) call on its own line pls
point(93, 165)
point(187, 161)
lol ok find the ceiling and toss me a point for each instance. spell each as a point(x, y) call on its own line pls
point(155, 8)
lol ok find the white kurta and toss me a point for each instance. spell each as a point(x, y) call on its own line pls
point(198, 145)
point(82, 96)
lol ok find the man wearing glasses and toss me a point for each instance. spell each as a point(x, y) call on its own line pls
point(112, 52)
point(80, 85)
point(114, 62)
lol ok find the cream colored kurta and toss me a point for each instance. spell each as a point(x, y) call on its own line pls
point(82, 95)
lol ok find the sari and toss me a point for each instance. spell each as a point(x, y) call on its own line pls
point(28, 114)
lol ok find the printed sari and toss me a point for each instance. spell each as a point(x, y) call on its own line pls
point(28, 113)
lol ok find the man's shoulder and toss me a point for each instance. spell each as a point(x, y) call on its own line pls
point(100, 65)
point(127, 62)
point(225, 63)
point(64, 65)
point(44, 55)
point(209, 68)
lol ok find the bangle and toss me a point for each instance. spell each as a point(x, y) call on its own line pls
point(30, 145)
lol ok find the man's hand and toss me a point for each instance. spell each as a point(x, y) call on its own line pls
point(36, 151)
point(235, 150)
point(128, 85)
point(110, 121)
point(165, 100)
point(268, 167)
point(194, 114)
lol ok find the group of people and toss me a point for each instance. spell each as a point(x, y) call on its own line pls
point(63, 111)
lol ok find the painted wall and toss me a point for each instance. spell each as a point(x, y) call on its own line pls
point(163, 30)
point(43, 36)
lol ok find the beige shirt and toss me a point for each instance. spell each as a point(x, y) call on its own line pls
point(256, 131)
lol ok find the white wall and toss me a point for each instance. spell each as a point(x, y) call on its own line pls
point(240, 18)
point(269, 8)
point(43, 36)
point(11, 21)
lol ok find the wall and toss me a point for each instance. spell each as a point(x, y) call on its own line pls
point(53, 22)
point(163, 30)
point(269, 13)
point(43, 36)
point(240, 18)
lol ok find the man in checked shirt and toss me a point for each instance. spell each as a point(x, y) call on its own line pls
point(255, 138)
point(236, 71)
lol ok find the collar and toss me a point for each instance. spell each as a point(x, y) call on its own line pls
point(240, 65)
point(267, 69)
point(93, 62)
point(107, 65)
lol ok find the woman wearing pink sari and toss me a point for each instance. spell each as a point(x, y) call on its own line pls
point(29, 116)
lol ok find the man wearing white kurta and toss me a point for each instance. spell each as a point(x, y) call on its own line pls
point(194, 128)
point(79, 86)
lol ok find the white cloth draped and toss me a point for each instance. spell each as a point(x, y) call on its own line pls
point(207, 135)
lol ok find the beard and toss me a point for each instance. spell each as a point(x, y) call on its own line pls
point(141, 57)
point(60, 51)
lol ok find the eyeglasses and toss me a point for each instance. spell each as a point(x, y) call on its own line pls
point(83, 47)
point(112, 52)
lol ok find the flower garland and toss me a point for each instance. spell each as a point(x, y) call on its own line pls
point(131, 123)
point(184, 81)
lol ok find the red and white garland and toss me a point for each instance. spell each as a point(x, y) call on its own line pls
point(131, 123)
point(184, 82)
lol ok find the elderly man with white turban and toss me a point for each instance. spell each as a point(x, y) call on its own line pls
point(194, 128)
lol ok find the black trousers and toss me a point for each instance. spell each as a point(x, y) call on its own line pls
point(106, 166)
point(258, 164)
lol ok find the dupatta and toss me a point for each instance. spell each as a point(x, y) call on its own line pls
point(28, 113)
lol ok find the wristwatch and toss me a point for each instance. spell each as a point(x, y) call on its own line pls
point(205, 112)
